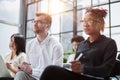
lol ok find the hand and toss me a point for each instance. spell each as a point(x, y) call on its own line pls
point(26, 67)
point(8, 66)
point(77, 67)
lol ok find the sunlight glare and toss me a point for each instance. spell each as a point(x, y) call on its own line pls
point(56, 6)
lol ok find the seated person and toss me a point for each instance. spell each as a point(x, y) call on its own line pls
point(74, 41)
point(41, 51)
point(97, 53)
point(17, 54)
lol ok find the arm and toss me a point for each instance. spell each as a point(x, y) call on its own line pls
point(11, 68)
point(18, 60)
point(58, 55)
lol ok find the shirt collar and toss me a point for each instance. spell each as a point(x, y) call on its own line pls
point(99, 39)
point(45, 41)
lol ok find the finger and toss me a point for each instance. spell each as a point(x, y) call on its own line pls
point(76, 64)
point(73, 61)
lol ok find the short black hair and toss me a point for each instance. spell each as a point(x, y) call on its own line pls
point(77, 39)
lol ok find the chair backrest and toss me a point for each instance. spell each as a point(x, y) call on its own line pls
point(118, 56)
point(116, 69)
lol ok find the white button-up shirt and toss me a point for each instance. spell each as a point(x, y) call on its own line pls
point(40, 55)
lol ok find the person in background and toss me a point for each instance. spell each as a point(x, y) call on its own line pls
point(75, 42)
point(96, 55)
point(41, 51)
point(17, 54)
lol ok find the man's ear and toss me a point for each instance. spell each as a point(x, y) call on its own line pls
point(48, 26)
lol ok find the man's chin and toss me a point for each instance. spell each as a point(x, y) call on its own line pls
point(36, 32)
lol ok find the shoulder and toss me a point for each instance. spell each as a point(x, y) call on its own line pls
point(82, 43)
point(21, 57)
point(6, 56)
point(31, 41)
point(107, 39)
point(22, 54)
point(53, 40)
point(108, 43)
point(54, 43)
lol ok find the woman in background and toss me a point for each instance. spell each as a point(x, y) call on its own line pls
point(17, 54)
point(75, 42)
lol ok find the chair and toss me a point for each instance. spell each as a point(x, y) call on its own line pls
point(115, 72)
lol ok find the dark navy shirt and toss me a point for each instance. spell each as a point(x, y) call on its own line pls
point(98, 57)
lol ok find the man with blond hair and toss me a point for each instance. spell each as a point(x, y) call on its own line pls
point(41, 51)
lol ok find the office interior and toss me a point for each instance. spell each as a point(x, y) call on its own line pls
point(66, 16)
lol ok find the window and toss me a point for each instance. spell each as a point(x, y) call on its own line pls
point(115, 14)
point(116, 36)
point(62, 12)
point(67, 21)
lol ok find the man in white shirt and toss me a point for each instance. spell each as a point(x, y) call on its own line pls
point(42, 51)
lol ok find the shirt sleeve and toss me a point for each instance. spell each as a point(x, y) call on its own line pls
point(27, 50)
point(37, 72)
point(22, 57)
point(58, 55)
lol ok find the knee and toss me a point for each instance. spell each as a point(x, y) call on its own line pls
point(51, 68)
point(19, 75)
point(47, 73)
point(50, 72)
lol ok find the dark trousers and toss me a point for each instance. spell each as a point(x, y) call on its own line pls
point(58, 73)
point(6, 78)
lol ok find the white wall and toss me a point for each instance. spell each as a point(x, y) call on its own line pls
point(5, 32)
point(9, 12)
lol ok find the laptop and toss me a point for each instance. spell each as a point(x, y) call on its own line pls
point(3, 69)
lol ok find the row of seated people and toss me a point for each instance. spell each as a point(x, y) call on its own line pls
point(94, 60)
